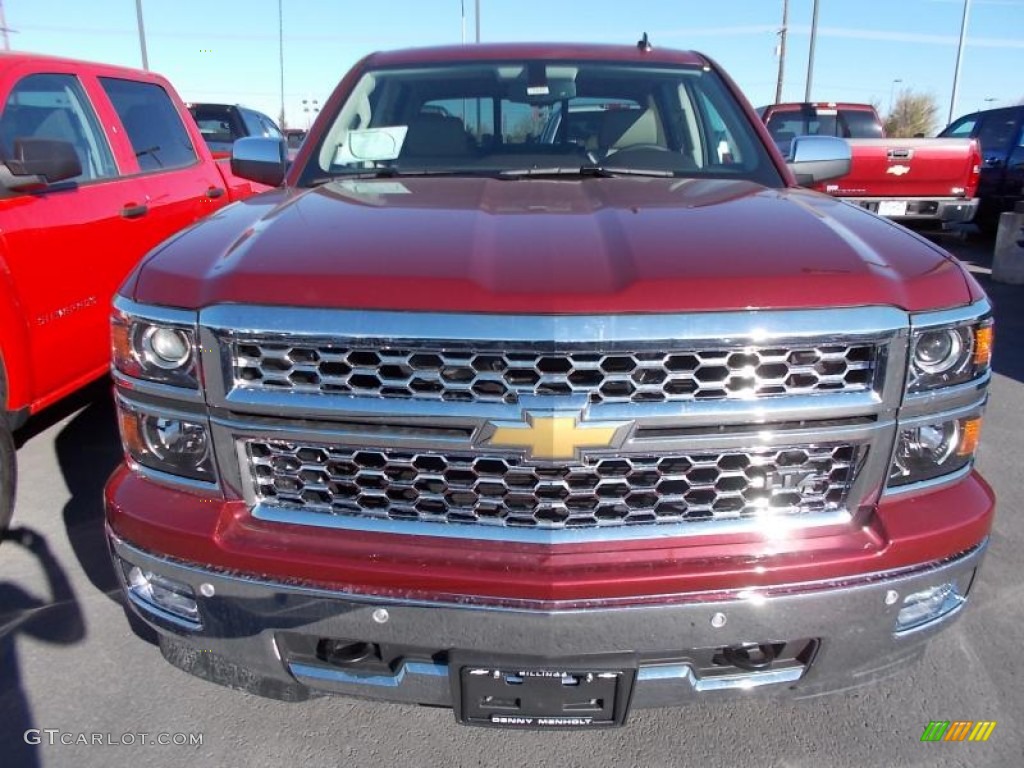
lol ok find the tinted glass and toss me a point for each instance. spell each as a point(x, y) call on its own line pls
point(962, 128)
point(860, 124)
point(153, 125)
point(55, 107)
point(489, 117)
point(997, 132)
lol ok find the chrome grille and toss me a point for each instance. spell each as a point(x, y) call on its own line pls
point(503, 374)
point(596, 491)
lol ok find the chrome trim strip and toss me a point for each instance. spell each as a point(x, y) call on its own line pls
point(384, 681)
point(155, 389)
point(933, 400)
point(768, 527)
point(928, 485)
point(232, 320)
point(750, 680)
point(953, 316)
point(156, 313)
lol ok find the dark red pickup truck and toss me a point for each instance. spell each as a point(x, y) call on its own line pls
point(98, 164)
point(910, 180)
point(544, 419)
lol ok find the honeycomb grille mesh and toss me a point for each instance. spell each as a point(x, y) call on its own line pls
point(596, 491)
point(503, 375)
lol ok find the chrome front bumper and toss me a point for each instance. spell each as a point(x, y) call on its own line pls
point(239, 639)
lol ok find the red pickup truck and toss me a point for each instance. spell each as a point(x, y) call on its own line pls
point(98, 164)
point(918, 181)
point(544, 422)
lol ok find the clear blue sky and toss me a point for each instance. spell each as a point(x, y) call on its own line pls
point(227, 50)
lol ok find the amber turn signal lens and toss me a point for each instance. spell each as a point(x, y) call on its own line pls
point(970, 436)
point(983, 345)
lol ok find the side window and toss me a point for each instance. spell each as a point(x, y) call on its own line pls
point(153, 125)
point(52, 106)
point(998, 131)
point(253, 127)
point(269, 129)
point(962, 128)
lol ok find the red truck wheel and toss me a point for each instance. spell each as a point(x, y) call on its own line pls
point(8, 476)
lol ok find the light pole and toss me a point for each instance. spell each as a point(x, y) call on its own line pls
point(280, 50)
point(810, 55)
point(142, 34)
point(959, 59)
point(892, 91)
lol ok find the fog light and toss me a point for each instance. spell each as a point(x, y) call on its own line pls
point(923, 607)
point(165, 594)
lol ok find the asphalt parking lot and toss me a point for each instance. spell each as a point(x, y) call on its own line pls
point(69, 661)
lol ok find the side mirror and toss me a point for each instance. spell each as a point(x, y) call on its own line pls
point(259, 159)
point(35, 162)
point(818, 158)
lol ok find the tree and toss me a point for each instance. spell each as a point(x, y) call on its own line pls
point(912, 114)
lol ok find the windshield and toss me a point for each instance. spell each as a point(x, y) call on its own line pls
point(510, 118)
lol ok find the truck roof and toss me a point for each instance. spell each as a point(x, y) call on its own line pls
point(846, 105)
point(14, 58)
point(498, 51)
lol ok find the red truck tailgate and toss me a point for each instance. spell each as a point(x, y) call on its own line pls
point(909, 168)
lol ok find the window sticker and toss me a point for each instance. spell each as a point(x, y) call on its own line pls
point(371, 144)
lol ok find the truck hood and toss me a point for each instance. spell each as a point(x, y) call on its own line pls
point(548, 246)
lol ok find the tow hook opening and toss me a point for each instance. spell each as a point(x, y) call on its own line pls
point(752, 657)
point(347, 653)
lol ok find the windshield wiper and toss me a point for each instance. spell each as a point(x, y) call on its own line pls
point(584, 171)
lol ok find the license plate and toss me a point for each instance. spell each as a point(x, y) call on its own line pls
point(552, 696)
point(892, 208)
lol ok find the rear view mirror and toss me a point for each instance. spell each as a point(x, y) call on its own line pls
point(813, 159)
point(259, 159)
point(34, 162)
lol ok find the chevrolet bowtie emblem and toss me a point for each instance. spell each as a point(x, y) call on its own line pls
point(559, 436)
point(898, 170)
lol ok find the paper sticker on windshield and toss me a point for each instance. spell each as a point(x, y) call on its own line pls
point(371, 144)
point(537, 90)
point(370, 188)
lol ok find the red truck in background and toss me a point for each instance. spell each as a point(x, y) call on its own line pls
point(98, 164)
point(544, 420)
point(918, 181)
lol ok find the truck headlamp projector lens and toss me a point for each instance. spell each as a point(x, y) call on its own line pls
point(939, 351)
point(929, 450)
point(161, 350)
point(167, 348)
point(174, 440)
point(166, 442)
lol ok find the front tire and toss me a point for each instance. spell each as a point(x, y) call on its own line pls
point(8, 475)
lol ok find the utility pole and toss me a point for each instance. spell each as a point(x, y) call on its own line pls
point(463, 4)
point(959, 59)
point(280, 51)
point(478, 21)
point(142, 34)
point(782, 49)
point(810, 56)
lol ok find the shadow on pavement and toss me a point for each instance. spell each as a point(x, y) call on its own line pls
point(88, 448)
point(57, 620)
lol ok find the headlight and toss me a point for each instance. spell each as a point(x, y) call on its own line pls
point(154, 350)
point(934, 448)
point(167, 442)
point(947, 355)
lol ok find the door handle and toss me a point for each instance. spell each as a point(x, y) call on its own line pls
point(132, 211)
point(214, 192)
